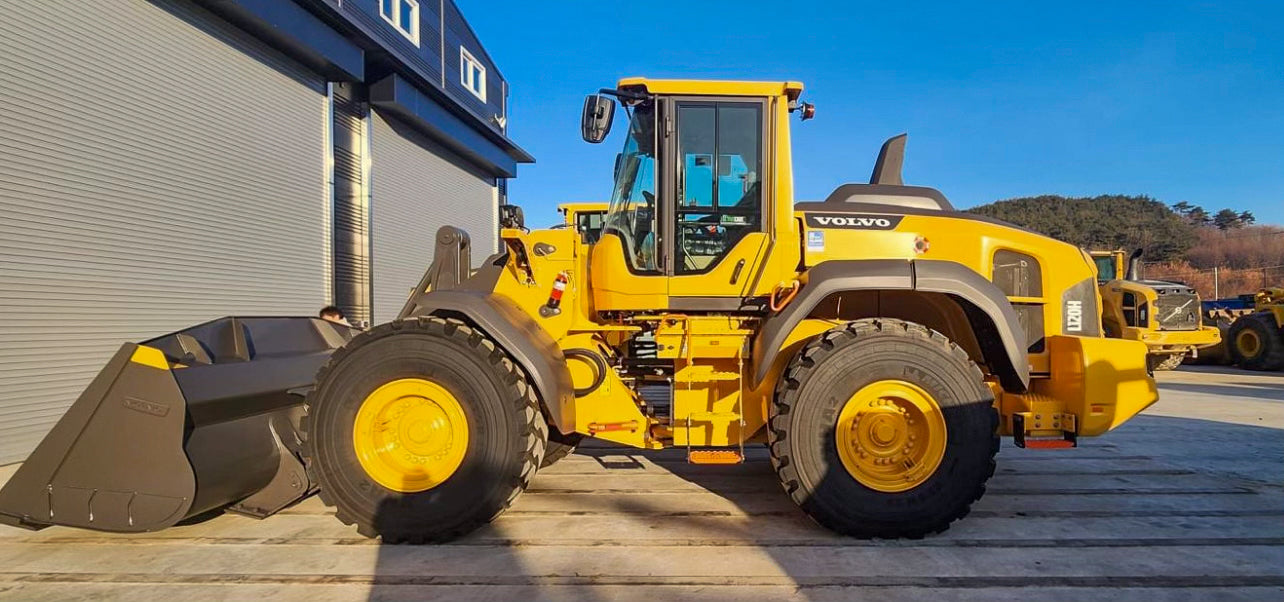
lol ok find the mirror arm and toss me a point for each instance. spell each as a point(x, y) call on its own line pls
point(624, 94)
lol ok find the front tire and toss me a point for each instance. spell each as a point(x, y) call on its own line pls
point(422, 430)
point(869, 480)
point(560, 446)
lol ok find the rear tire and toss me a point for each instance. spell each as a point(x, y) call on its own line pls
point(506, 434)
point(835, 367)
point(1256, 343)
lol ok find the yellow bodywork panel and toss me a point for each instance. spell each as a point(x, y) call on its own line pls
point(149, 356)
point(611, 411)
point(707, 404)
point(1103, 382)
point(710, 355)
point(616, 287)
point(1271, 300)
point(1165, 339)
point(731, 277)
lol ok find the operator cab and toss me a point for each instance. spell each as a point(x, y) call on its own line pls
point(1111, 265)
point(1108, 265)
point(690, 213)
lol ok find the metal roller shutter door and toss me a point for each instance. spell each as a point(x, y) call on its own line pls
point(157, 168)
point(416, 187)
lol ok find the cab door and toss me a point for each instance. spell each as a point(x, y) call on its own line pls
point(717, 165)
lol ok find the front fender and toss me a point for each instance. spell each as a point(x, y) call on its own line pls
point(520, 336)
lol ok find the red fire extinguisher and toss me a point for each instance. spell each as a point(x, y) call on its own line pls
point(553, 306)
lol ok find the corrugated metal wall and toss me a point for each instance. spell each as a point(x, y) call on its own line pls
point(157, 168)
point(418, 186)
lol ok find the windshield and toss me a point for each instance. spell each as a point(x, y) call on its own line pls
point(632, 213)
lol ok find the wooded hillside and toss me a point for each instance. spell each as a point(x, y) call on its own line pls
point(1102, 222)
point(1184, 242)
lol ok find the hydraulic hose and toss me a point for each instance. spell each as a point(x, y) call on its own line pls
point(599, 365)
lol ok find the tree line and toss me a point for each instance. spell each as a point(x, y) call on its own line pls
point(1167, 233)
point(1226, 219)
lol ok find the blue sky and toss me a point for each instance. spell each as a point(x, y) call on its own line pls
point(1177, 100)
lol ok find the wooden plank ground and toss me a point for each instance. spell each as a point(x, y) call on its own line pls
point(1186, 502)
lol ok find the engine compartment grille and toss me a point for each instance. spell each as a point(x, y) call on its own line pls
point(1177, 311)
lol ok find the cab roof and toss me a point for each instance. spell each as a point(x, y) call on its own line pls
point(704, 87)
point(583, 207)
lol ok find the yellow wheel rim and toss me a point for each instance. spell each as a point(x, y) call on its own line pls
point(891, 436)
point(1248, 343)
point(410, 435)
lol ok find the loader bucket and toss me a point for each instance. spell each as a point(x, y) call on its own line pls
point(193, 421)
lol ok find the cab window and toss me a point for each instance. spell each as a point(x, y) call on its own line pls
point(589, 223)
point(1129, 307)
point(1105, 268)
point(719, 189)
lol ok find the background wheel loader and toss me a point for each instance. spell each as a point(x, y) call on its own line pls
point(1255, 339)
point(878, 341)
point(1258, 321)
point(587, 218)
point(1166, 316)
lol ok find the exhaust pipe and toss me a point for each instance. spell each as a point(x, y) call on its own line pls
point(1134, 264)
point(197, 420)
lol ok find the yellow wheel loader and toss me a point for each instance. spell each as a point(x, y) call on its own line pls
point(587, 218)
point(1166, 316)
point(878, 341)
point(1256, 339)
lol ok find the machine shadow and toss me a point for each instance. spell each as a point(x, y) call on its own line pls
point(483, 559)
point(1242, 389)
point(497, 562)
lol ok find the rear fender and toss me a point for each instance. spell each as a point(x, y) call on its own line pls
point(995, 323)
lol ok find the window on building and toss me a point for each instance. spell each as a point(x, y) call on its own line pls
point(472, 74)
point(403, 15)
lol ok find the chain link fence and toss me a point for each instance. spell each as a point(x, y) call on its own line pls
point(1217, 283)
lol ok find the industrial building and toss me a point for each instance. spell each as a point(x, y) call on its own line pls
point(167, 162)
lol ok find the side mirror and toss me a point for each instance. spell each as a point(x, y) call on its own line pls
point(595, 122)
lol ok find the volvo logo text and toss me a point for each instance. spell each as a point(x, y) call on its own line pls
point(853, 221)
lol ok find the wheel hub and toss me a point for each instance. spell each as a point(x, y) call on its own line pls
point(1249, 344)
point(410, 435)
point(891, 436)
